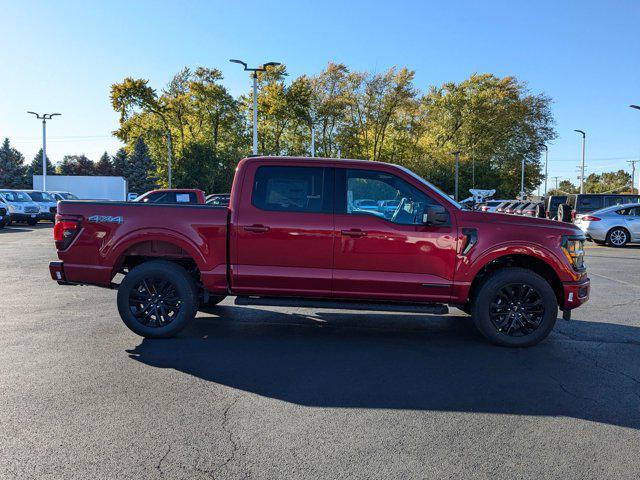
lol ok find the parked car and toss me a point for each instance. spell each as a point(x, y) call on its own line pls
point(291, 238)
point(590, 202)
point(4, 215)
point(173, 195)
point(511, 209)
point(531, 210)
point(615, 226)
point(64, 196)
point(491, 205)
point(551, 205)
point(21, 207)
point(218, 199)
point(500, 208)
point(520, 208)
point(46, 202)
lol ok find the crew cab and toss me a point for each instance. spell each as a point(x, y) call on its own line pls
point(293, 234)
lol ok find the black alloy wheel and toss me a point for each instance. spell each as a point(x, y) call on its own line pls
point(517, 310)
point(154, 302)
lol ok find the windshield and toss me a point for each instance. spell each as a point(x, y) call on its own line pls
point(68, 196)
point(41, 197)
point(431, 185)
point(15, 196)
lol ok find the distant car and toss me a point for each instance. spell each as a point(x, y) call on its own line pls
point(46, 202)
point(500, 208)
point(173, 195)
point(64, 196)
point(511, 209)
point(581, 203)
point(21, 207)
point(524, 206)
point(218, 199)
point(615, 226)
point(4, 215)
point(531, 210)
point(491, 205)
point(551, 205)
point(131, 197)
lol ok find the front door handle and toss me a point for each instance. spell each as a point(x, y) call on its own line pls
point(256, 228)
point(353, 233)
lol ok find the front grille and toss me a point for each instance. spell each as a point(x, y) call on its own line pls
point(53, 210)
point(31, 210)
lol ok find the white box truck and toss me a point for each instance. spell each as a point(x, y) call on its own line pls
point(86, 187)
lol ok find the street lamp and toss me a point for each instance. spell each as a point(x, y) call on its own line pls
point(584, 138)
point(546, 164)
point(44, 117)
point(255, 71)
point(637, 107)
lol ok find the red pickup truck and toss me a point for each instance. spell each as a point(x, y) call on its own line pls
point(310, 231)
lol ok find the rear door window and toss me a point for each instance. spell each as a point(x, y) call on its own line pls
point(293, 189)
point(586, 204)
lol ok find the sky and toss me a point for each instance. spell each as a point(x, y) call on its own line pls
point(63, 57)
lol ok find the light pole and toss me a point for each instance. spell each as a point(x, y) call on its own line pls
point(633, 163)
point(522, 180)
point(457, 154)
point(584, 138)
point(546, 164)
point(255, 71)
point(44, 117)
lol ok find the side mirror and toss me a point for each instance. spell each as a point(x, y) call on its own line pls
point(436, 215)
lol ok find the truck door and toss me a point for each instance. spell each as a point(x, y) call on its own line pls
point(284, 231)
point(389, 254)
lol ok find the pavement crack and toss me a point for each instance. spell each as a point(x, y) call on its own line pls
point(573, 394)
point(235, 446)
point(159, 465)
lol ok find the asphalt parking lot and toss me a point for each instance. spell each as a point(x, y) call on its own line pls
point(268, 393)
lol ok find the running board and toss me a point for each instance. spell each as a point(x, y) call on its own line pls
point(431, 308)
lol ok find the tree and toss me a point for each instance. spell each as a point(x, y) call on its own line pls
point(77, 165)
point(119, 163)
point(13, 172)
point(36, 165)
point(607, 182)
point(140, 171)
point(104, 166)
point(565, 187)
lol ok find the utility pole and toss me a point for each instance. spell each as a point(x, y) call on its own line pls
point(546, 165)
point(633, 175)
point(255, 71)
point(522, 181)
point(473, 173)
point(556, 178)
point(457, 154)
point(584, 139)
point(339, 151)
point(44, 117)
point(313, 141)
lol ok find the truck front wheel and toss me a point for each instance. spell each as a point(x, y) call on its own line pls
point(515, 307)
point(157, 299)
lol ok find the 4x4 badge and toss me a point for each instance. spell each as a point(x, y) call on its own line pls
point(105, 219)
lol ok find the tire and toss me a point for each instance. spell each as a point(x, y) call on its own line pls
point(540, 211)
point(169, 293)
point(564, 213)
point(617, 237)
point(509, 330)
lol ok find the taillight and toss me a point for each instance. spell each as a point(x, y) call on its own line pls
point(573, 215)
point(485, 209)
point(590, 218)
point(63, 233)
point(547, 214)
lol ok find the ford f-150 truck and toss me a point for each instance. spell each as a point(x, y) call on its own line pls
point(295, 233)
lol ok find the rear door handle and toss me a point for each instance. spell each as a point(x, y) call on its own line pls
point(353, 233)
point(256, 228)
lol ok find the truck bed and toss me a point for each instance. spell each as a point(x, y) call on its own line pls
point(112, 232)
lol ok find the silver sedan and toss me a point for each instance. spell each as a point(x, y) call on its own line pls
point(615, 226)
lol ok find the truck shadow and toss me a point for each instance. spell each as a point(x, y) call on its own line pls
point(368, 360)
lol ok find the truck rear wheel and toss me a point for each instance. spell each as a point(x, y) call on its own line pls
point(515, 307)
point(157, 299)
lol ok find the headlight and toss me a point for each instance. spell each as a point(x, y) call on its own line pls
point(573, 248)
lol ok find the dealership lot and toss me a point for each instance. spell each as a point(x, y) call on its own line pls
point(305, 393)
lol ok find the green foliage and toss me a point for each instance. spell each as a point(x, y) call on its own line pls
point(77, 165)
point(139, 171)
point(119, 163)
point(104, 165)
point(13, 172)
point(36, 165)
point(608, 182)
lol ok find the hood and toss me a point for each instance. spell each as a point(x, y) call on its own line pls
point(523, 221)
